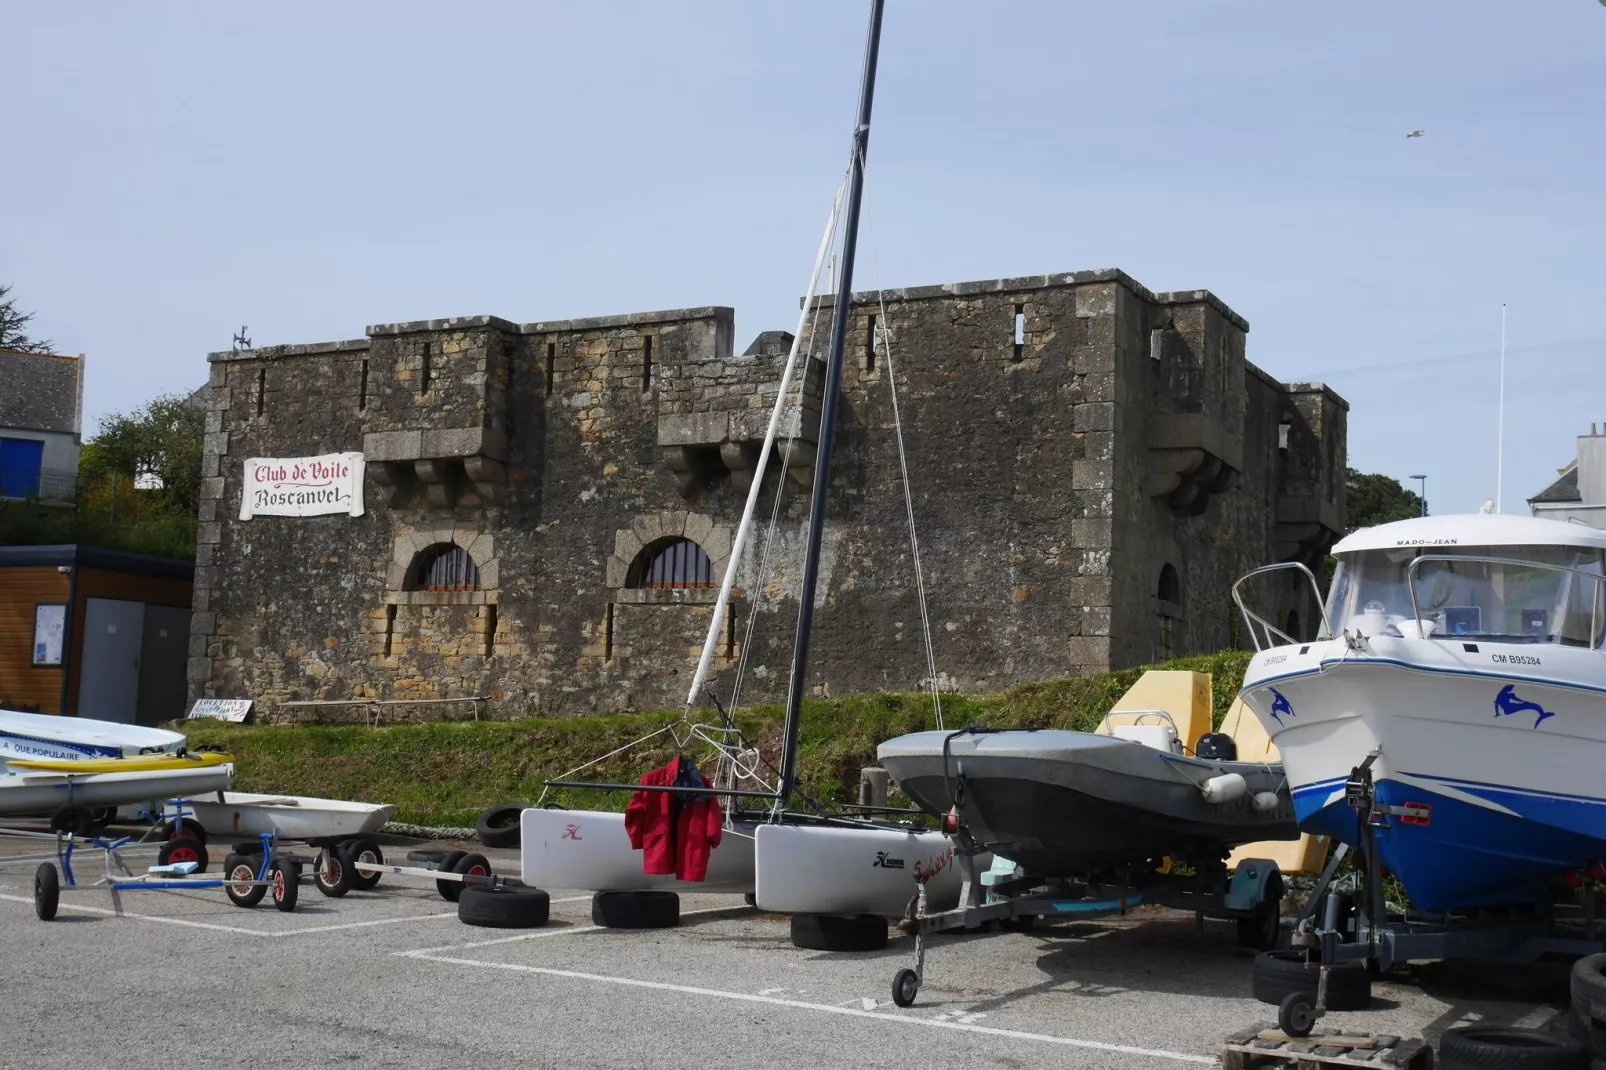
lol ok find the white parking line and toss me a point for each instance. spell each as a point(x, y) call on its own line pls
point(544, 933)
point(145, 917)
point(822, 1008)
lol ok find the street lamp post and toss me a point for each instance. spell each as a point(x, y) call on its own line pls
point(1423, 496)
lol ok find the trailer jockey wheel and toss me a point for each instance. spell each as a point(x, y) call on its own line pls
point(1295, 1015)
point(905, 987)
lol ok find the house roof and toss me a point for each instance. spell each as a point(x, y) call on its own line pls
point(1564, 489)
point(42, 392)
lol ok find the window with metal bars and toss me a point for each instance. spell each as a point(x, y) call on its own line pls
point(444, 568)
point(672, 563)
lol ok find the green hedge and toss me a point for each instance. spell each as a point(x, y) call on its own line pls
point(445, 774)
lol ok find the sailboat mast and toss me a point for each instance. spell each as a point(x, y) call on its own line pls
point(828, 407)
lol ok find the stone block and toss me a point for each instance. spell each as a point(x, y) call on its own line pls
point(1090, 475)
point(217, 442)
point(1094, 416)
point(1091, 534)
point(617, 571)
point(203, 623)
point(214, 422)
point(198, 670)
point(693, 429)
point(207, 510)
point(1096, 300)
point(627, 544)
point(211, 532)
point(393, 445)
point(698, 528)
point(491, 574)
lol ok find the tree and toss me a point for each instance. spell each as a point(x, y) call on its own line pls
point(1373, 499)
point(12, 322)
point(158, 443)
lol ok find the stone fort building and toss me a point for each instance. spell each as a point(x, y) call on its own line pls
point(549, 506)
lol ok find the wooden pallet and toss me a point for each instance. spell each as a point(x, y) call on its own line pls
point(1253, 1049)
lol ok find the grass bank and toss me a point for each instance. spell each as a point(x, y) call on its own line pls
point(445, 774)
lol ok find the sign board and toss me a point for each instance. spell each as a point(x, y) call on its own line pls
point(49, 628)
point(302, 486)
point(221, 709)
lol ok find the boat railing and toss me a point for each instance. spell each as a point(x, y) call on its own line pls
point(1596, 578)
point(1262, 629)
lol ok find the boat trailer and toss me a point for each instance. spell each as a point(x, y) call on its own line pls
point(1008, 898)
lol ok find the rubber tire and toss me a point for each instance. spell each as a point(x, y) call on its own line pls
point(363, 849)
point(905, 987)
point(332, 873)
point(183, 849)
point(652, 909)
point(187, 826)
point(492, 829)
point(286, 878)
point(1482, 1047)
point(1589, 1001)
point(839, 932)
point(504, 908)
point(75, 821)
point(427, 856)
point(242, 897)
point(1023, 923)
point(1262, 929)
point(1296, 1016)
point(467, 862)
point(46, 891)
point(248, 847)
point(103, 816)
point(1277, 973)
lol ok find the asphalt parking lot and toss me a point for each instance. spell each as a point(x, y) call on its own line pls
point(391, 978)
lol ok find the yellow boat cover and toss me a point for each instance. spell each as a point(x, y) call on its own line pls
point(1183, 695)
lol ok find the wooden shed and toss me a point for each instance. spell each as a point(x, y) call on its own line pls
point(94, 632)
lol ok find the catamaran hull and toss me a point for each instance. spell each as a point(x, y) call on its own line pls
point(822, 869)
point(43, 793)
point(1498, 761)
point(40, 735)
point(590, 849)
point(1062, 804)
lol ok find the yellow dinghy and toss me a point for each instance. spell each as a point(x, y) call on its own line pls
point(137, 764)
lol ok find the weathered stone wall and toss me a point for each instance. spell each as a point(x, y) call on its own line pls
point(1066, 437)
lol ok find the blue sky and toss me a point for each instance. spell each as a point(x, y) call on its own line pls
point(307, 169)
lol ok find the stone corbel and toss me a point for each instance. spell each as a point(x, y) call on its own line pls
point(489, 477)
point(439, 477)
point(397, 479)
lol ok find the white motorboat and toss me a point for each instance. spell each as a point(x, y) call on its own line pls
point(44, 735)
point(40, 792)
point(290, 817)
point(1464, 656)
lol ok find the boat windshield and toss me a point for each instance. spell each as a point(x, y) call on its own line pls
point(1519, 594)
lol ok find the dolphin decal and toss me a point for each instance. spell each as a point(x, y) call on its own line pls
point(1279, 706)
point(1507, 704)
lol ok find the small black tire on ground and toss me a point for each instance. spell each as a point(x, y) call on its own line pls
point(905, 987)
point(362, 849)
point(648, 909)
point(46, 891)
point(467, 864)
point(332, 873)
point(504, 907)
point(183, 849)
point(72, 821)
point(499, 826)
point(1295, 1014)
point(1277, 973)
point(839, 932)
point(428, 856)
point(286, 886)
point(1483, 1047)
point(242, 868)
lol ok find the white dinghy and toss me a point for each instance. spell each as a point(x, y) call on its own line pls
point(289, 817)
point(46, 735)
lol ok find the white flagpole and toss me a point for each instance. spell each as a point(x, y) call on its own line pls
point(1500, 431)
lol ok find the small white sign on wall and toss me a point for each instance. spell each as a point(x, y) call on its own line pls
point(302, 486)
point(222, 709)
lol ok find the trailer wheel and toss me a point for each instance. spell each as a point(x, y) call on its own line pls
point(332, 873)
point(651, 909)
point(1295, 1015)
point(46, 891)
point(1478, 1047)
point(1277, 973)
point(504, 908)
point(467, 864)
point(103, 816)
point(499, 826)
point(905, 987)
point(839, 932)
point(183, 849)
point(363, 849)
point(184, 826)
point(240, 871)
point(286, 878)
point(428, 856)
point(248, 847)
point(1262, 929)
point(72, 821)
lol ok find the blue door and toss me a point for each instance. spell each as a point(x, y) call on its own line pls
point(20, 460)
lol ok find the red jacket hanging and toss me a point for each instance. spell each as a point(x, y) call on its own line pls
point(675, 831)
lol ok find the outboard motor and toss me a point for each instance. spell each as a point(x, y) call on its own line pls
point(1216, 746)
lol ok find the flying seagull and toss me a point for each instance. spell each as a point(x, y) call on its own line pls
point(1419, 133)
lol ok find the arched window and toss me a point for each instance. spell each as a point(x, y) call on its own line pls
point(672, 562)
point(1168, 608)
point(443, 567)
